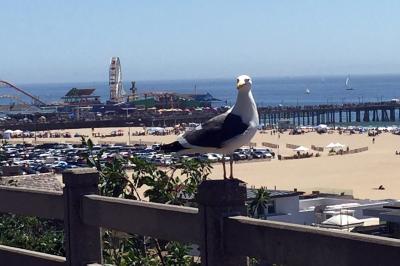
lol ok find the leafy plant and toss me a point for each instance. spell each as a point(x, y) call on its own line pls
point(258, 205)
point(32, 233)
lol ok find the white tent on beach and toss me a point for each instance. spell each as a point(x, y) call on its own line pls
point(18, 132)
point(335, 146)
point(331, 145)
point(7, 134)
point(339, 145)
point(301, 149)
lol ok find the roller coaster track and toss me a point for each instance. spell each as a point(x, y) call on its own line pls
point(4, 83)
point(16, 98)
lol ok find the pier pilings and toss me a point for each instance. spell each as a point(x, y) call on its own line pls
point(333, 114)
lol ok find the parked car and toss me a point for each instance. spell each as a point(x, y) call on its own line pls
point(209, 157)
point(261, 155)
point(264, 150)
point(239, 156)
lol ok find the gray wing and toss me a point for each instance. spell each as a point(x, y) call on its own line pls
point(216, 131)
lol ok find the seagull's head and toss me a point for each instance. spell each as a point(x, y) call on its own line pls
point(243, 83)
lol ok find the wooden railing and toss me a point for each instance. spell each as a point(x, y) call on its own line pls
point(166, 221)
point(219, 226)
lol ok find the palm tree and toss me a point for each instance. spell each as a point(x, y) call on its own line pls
point(259, 203)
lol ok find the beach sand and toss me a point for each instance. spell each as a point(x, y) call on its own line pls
point(357, 174)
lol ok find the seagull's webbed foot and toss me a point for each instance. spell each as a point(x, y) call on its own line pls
point(231, 166)
point(223, 166)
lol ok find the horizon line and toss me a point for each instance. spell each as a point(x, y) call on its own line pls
point(295, 76)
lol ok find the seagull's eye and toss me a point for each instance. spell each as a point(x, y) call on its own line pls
point(247, 80)
point(237, 81)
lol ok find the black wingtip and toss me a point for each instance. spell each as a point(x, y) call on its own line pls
point(172, 147)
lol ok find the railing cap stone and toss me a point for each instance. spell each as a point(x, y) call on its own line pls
point(229, 192)
point(81, 177)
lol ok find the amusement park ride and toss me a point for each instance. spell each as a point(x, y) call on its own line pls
point(36, 101)
point(117, 92)
point(35, 105)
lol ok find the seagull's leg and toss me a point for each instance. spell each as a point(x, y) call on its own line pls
point(231, 166)
point(223, 165)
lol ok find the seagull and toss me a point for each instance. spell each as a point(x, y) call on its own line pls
point(223, 133)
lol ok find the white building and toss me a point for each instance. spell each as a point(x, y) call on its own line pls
point(286, 206)
point(346, 222)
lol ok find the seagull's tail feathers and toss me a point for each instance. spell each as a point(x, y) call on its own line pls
point(172, 147)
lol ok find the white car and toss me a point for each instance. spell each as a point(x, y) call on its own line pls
point(209, 157)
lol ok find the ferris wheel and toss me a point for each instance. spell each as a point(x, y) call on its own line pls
point(115, 81)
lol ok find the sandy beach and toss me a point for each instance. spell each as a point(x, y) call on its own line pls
point(357, 174)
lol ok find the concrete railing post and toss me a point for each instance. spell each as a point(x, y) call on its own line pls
point(82, 242)
point(218, 199)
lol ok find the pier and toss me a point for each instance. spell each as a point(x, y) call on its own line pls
point(309, 115)
point(312, 115)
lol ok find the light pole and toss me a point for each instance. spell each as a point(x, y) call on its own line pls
point(35, 129)
point(129, 131)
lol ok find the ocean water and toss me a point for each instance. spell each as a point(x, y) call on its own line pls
point(267, 91)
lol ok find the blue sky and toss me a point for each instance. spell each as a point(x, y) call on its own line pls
point(59, 41)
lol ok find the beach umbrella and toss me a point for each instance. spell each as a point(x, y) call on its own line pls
point(331, 145)
point(301, 149)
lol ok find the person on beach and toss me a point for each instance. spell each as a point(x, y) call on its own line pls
point(373, 140)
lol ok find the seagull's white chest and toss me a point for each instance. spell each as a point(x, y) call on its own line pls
point(246, 108)
point(239, 141)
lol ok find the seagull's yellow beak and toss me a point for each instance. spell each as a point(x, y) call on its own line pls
point(240, 84)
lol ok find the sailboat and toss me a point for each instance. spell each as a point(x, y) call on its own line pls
point(347, 84)
point(308, 91)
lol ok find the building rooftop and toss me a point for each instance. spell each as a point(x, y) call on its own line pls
point(251, 193)
point(386, 213)
point(200, 97)
point(75, 92)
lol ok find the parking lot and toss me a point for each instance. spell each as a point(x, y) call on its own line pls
point(19, 159)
